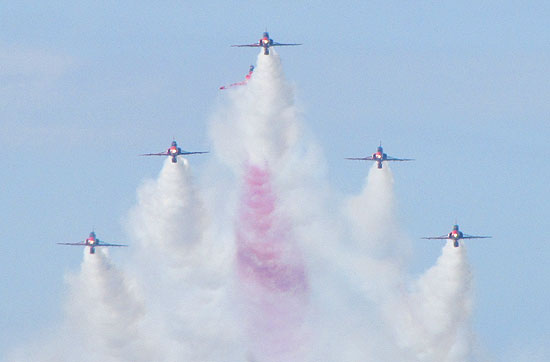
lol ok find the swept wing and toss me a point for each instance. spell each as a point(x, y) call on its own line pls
point(283, 44)
point(389, 158)
point(106, 244)
point(246, 45)
point(368, 158)
point(466, 236)
point(442, 237)
point(192, 153)
point(156, 154)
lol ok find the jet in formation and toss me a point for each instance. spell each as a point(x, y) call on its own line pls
point(265, 42)
point(92, 241)
point(379, 156)
point(174, 151)
point(246, 79)
point(455, 235)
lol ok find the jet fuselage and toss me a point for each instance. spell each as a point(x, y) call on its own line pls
point(456, 235)
point(379, 156)
point(91, 241)
point(265, 42)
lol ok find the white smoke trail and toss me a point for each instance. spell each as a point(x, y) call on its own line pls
point(441, 305)
point(376, 262)
point(104, 319)
point(374, 218)
point(185, 271)
point(169, 219)
point(105, 312)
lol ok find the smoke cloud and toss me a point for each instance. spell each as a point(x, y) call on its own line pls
point(265, 261)
point(105, 310)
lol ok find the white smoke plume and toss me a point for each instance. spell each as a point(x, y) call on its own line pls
point(184, 270)
point(265, 262)
point(104, 318)
point(169, 221)
point(106, 313)
point(374, 218)
point(441, 303)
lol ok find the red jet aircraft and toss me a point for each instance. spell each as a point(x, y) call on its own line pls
point(174, 151)
point(265, 42)
point(380, 156)
point(456, 235)
point(246, 79)
point(92, 242)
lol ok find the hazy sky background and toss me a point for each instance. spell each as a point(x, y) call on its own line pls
point(462, 88)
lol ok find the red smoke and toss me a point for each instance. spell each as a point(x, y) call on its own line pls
point(266, 253)
point(271, 272)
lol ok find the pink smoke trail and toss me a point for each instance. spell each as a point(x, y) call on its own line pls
point(271, 272)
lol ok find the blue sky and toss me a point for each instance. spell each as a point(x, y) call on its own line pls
point(462, 88)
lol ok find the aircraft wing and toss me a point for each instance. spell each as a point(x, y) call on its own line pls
point(466, 236)
point(155, 154)
point(368, 158)
point(192, 153)
point(442, 237)
point(106, 244)
point(283, 45)
point(255, 45)
point(389, 158)
point(82, 243)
